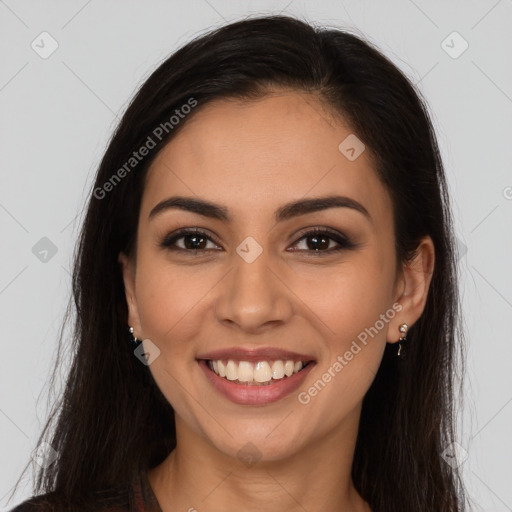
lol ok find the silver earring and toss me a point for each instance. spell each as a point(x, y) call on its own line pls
point(133, 339)
point(403, 336)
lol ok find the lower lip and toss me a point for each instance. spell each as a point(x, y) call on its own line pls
point(252, 394)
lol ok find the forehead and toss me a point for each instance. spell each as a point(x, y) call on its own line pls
point(257, 154)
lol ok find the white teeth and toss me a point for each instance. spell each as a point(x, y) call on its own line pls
point(245, 372)
point(262, 372)
point(222, 369)
point(277, 369)
point(231, 371)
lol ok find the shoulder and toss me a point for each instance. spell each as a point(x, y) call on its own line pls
point(135, 496)
point(102, 501)
point(40, 503)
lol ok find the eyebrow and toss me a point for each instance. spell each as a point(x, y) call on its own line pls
point(286, 212)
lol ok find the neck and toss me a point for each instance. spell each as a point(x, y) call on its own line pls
point(197, 476)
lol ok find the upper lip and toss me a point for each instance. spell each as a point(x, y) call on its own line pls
point(255, 354)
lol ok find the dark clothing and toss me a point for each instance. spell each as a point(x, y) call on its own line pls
point(137, 497)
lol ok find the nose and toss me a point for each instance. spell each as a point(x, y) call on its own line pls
point(253, 296)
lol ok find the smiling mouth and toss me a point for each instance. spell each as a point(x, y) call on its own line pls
point(259, 373)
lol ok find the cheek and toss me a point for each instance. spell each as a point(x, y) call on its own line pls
point(354, 306)
point(349, 299)
point(168, 303)
point(169, 299)
point(356, 310)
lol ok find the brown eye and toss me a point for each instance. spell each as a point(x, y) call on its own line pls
point(320, 241)
point(193, 240)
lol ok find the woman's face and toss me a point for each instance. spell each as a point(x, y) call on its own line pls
point(256, 283)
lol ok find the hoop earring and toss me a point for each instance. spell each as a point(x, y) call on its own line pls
point(133, 339)
point(403, 336)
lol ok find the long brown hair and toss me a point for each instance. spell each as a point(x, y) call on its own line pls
point(112, 418)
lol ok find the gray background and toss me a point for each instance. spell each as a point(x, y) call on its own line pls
point(57, 114)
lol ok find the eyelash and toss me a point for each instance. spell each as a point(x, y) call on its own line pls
point(344, 242)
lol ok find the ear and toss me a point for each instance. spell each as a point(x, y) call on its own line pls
point(128, 271)
point(412, 287)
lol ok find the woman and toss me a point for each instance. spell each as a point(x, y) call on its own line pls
point(271, 218)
